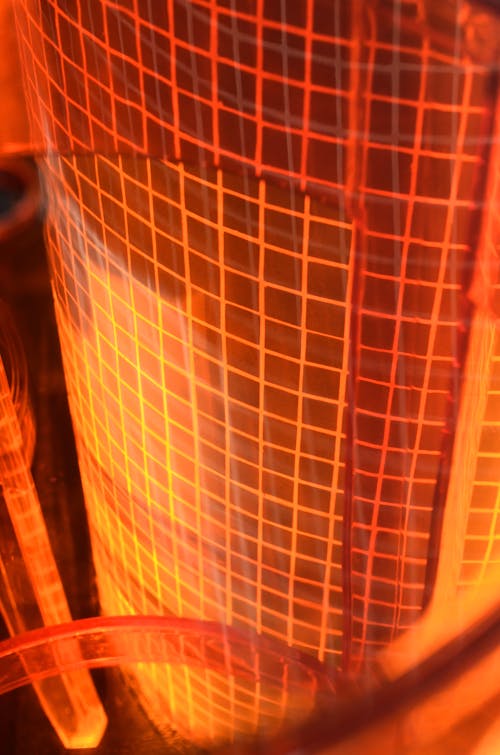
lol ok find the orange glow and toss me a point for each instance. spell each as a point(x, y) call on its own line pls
point(261, 233)
point(14, 125)
point(70, 701)
point(199, 449)
point(471, 537)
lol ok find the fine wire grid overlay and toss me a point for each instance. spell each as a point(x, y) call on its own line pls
point(259, 217)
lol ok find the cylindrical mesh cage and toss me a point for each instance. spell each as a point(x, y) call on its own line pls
point(273, 237)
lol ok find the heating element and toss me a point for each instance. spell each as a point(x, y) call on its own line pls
point(273, 238)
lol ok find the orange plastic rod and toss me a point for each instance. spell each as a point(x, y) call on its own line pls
point(69, 700)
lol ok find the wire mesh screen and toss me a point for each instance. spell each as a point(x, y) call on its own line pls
point(208, 395)
point(418, 169)
point(264, 221)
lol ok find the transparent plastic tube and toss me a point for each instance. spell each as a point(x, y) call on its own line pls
point(118, 640)
point(389, 712)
